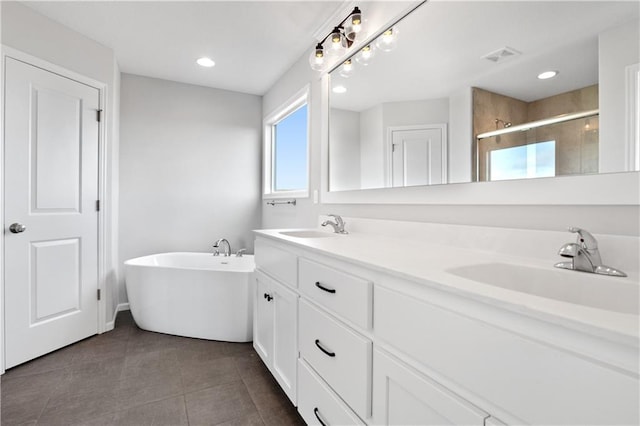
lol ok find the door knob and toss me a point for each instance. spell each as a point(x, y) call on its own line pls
point(17, 228)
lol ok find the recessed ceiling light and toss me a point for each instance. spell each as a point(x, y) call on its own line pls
point(547, 74)
point(205, 62)
point(339, 89)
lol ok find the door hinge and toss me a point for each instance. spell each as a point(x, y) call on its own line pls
point(97, 205)
point(99, 115)
point(99, 294)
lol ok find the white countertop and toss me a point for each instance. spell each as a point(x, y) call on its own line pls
point(428, 263)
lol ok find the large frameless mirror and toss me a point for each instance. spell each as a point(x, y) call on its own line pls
point(457, 92)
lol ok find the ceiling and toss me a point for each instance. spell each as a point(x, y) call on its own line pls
point(252, 42)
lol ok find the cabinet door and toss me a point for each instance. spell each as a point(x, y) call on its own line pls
point(402, 395)
point(285, 338)
point(263, 319)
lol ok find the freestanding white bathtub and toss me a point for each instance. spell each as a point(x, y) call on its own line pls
point(192, 294)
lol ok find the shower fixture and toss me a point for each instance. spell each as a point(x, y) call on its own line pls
point(505, 124)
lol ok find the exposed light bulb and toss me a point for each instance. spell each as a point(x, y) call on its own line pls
point(346, 70)
point(317, 59)
point(388, 40)
point(353, 25)
point(364, 56)
point(338, 45)
point(205, 62)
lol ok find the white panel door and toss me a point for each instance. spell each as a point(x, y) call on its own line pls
point(51, 188)
point(418, 157)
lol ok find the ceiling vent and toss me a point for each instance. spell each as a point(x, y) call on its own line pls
point(501, 54)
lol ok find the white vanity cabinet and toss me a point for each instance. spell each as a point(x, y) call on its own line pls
point(374, 345)
point(275, 336)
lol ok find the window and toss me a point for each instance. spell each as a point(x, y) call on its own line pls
point(526, 161)
point(286, 149)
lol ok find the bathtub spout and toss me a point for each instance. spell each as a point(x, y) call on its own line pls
point(227, 249)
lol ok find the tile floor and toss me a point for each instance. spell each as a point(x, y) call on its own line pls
point(133, 377)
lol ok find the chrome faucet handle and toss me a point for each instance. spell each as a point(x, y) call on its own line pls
point(240, 252)
point(216, 252)
point(585, 238)
point(338, 219)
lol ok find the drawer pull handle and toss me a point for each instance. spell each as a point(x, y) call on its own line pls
point(317, 413)
point(328, 353)
point(321, 287)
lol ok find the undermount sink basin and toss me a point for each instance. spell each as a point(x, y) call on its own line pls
point(307, 234)
point(596, 291)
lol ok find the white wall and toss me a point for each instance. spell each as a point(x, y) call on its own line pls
point(617, 49)
point(189, 167)
point(372, 161)
point(345, 132)
point(32, 33)
point(604, 219)
point(460, 136)
point(429, 111)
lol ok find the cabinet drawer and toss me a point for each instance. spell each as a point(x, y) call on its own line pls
point(532, 381)
point(318, 403)
point(276, 262)
point(339, 355)
point(345, 294)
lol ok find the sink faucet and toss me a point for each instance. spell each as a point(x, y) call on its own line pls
point(584, 255)
point(227, 249)
point(338, 225)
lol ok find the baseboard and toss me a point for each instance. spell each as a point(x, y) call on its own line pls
point(111, 324)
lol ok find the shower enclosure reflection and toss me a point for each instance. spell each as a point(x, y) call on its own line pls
point(537, 149)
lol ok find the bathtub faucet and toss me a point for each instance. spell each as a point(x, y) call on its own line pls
point(227, 249)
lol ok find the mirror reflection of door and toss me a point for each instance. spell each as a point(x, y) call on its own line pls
point(418, 155)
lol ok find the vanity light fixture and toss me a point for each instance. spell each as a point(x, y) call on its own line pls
point(205, 62)
point(341, 38)
point(547, 75)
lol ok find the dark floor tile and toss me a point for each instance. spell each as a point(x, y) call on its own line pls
point(141, 341)
point(285, 417)
point(219, 404)
point(97, 349)
point(198, 350)
point(53, 361)
point(201, 375)
point(268, 397)
point(239, 349)
point(25, 397)
point(251, 367)
point(78, 408)
point(250, 420)
point(97, 379)
point(168, 412)
point(136, 364)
